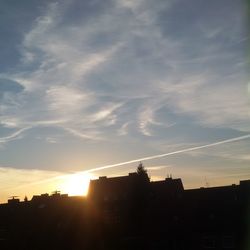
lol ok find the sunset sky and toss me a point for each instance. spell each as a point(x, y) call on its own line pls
point(90, 83)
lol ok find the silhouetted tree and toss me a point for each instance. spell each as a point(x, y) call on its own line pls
point(139, 200)
point(141, 171)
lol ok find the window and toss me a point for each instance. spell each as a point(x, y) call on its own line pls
point(228, 241)
point(208, 242)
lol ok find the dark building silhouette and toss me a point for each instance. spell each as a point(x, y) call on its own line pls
point(13, 200)
point(162, 215)
point(131, 212)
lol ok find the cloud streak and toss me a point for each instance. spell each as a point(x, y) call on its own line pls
point(13, 136)
point(82, 67)
point(235, 139)
point(170, 153)
point(126, 76)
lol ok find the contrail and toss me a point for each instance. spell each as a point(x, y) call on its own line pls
point(140, 159)
point(167, 154)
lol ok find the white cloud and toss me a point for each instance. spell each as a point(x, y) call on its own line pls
point(222, 105)
point(123, 130)
point(13, 136)
point(54, 91)
point(105, 113)
point(156, 168)
point(89, 136)
point(11, 122)
point(127, 55)
point(65, 100)
point(51, 140)
point(145, 119)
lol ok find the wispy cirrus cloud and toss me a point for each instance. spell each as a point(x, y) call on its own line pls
point(156, 168)
point(56, 86)
point(129, 71)
point(123, 130)
point(16, 135)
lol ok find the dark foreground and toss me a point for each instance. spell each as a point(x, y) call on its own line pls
point(130, 212)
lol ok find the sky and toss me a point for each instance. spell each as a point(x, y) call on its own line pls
point(88, 84)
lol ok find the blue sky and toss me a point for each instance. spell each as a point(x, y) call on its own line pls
point(84, 84)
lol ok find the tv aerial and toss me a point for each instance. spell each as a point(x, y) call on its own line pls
point(13, 197)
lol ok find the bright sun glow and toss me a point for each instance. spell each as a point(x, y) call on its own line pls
point(75, 184)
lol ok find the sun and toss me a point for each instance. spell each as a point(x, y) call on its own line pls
point(75, 184)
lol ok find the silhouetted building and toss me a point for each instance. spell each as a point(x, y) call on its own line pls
point(130, 212)
point(114, 188)
point(171, 217)
point(13, 201)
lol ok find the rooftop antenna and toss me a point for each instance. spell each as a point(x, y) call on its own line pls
point(206, 182)
point(169, 176)
point(56, 192)
point(13, 197)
